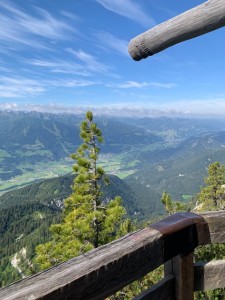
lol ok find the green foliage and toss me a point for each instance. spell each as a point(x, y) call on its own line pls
point(15, 234)
point(171, 206)
point(212, 195)
point(214, 181)
point(208, 253)
point(39, 206)
point(135, 288)
point(88, 222)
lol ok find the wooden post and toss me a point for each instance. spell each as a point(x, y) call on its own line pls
point(182, 268)
point(192, 23)
point(103, 271)
point(209, 275)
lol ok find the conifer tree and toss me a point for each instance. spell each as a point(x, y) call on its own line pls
point(212, 195)
point(88, 220)
point(171, 206)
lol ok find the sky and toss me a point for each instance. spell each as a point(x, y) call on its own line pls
point(72, 55)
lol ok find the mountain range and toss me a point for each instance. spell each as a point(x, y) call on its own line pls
point(143, 157)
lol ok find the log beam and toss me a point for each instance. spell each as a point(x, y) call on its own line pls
point(209, 275)
point(192, 23)
point(105, 270)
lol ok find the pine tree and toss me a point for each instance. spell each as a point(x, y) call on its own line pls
point(171, 206)
point(212, 195)
point(88, 220)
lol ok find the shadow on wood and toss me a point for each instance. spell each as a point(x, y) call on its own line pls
point(105, 270)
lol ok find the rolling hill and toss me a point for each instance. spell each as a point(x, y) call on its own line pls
point(180, 169)
point(159, 154)
point(27, 213)
point(40, 144)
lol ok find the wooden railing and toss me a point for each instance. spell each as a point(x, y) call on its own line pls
point(105, 270)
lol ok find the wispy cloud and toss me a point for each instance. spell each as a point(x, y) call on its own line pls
point(69, 15)
point(128, 9)
point(132, 84)
point(71, 83)
point(107, 40)
point(19, 87)
point(135, 84)
point(19, 27)
point(8, 106)
point(162, 85)
point(185, 108)
point(59, 66)
point(90, 62)
point(205, 106)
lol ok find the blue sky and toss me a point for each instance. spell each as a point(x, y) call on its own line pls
point(65, 55)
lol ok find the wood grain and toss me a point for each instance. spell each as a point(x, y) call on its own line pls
point(164, 289)
point(216, 225)
point(209, 275)
point(181, 267)
point(105, 270)
point(192, 23)
point(96, 274)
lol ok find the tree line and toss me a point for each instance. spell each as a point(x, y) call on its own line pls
point(89, 220)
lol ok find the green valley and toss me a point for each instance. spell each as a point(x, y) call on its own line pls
point(143, 156)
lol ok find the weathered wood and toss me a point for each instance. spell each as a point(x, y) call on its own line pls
point(192, 23)
point(163, 290)
point(209, 275)
point(216, 224)
point(103, 271)
point(182, 233)
point(96, 274)
point(181, 267)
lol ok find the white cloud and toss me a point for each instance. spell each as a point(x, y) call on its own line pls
point(163, 85)
point(132, 84)
point(128, 9)
point(210, 106)
point(90, 62)
point(8, 106)
point(59, 66)
point(71, 83)
point(185, 108)
point(19, 87)
point(135, 84)
point(19, 27)
point(108, 40)
point(69, 15)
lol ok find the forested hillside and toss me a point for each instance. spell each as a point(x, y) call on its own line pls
point(36, 145)
point(23, 227)
point(52, 192)
point(179, 169)
point(27, 213)
point(149, 155)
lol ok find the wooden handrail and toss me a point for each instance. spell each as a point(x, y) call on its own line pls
point(192, 23)
point(105, 270)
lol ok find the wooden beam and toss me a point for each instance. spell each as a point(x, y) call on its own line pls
point(105, 270)
point(192, 23)
point(181, 267)
point(96, 274)
point(209, 275)
point(216, 225)
point(183, 232)
point(164, 289)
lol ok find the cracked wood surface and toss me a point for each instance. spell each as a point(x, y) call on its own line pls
point(201, 19)
point(105, 270)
